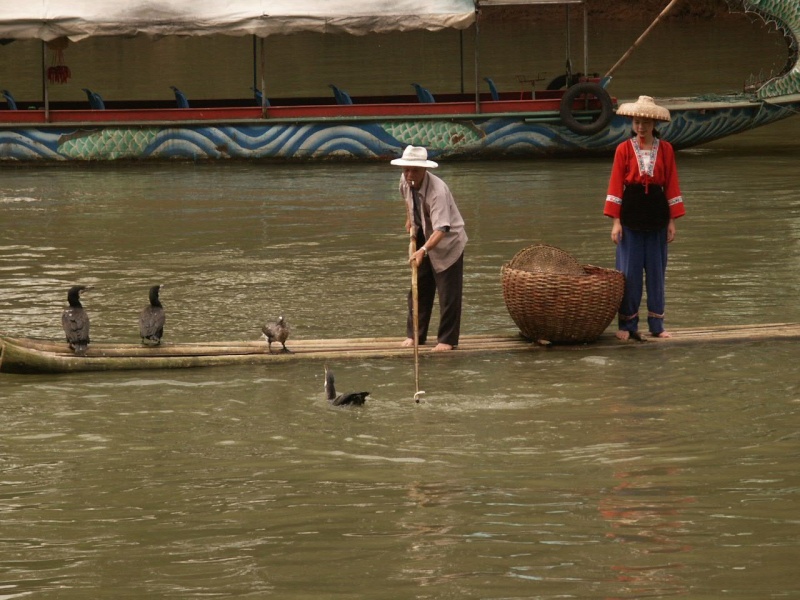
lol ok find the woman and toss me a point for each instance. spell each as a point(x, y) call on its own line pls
point(644, 200)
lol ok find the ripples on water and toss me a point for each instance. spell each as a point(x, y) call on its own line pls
point(633, 472)
point(232, 482)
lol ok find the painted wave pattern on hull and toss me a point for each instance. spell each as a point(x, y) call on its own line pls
point(480, 138)
point(282, 141)
point(786, 14)
point(687, 130)
point(516, 138)
point(29, 144)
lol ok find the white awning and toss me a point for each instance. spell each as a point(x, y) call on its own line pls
point(78, 19)
point(485, 3)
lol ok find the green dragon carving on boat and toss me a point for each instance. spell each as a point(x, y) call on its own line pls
point(435, 135)
point(785, 15)
point(112, 142)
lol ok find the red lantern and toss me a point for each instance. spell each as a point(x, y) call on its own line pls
point(58, 72)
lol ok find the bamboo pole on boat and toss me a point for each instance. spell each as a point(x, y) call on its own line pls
point(412, 249)
point(45, 86)
point(263, 77)
point(26, 355)
point(635, 45)
point(476, 60)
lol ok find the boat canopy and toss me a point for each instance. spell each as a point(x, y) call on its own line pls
point(78, 19)
point(485, 3)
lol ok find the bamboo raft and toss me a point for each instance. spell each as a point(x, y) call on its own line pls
point(27, 355)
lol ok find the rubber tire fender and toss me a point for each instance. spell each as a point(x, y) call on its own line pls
point(561, 81)
point(587, 88)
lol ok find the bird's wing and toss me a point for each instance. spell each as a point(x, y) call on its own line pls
point(284, 334)
point(76, 324)
point(355, 398)
point(151, 321)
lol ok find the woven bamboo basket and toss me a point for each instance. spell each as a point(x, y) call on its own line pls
point(551, 296)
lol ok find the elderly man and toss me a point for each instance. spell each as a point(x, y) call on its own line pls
point(432, 213)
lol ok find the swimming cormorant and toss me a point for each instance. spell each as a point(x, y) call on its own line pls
point(276, 332)
point(75, 320)
point(151, 321)
point(348, 398)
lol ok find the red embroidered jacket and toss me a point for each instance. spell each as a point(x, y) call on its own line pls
point(629, 168)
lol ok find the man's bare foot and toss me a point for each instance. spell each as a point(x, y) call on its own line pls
point(663, 334)
point(407, 343)
point(440, 347)
point(623, 335)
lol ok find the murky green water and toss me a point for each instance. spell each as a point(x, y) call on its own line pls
point(625, 473)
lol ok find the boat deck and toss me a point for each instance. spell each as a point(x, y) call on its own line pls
point(25, 355)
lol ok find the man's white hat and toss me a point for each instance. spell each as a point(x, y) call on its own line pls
point(415, 156)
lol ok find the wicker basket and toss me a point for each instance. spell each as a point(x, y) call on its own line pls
point(550, 299)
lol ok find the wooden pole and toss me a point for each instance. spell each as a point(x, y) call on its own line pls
point(412, 249)
point(639, 41)
point(263, 78)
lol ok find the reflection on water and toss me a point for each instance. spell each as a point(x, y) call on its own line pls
point(635, 472)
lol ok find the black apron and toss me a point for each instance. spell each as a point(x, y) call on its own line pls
point(644, 208)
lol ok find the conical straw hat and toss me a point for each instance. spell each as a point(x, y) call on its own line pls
point(645, 108)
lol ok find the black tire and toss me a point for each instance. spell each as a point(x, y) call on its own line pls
point(586, 88)
point(563, 81)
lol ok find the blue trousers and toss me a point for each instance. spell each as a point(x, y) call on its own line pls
point(638, 253)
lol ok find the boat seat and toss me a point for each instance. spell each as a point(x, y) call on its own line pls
point(492, 88)
point(95, 100)
point(423, 94)
point(259, 97)
point(180, 97)
point(12, 104)
point(341, 96)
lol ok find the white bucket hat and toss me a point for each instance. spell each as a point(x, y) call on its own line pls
point(415, 156)
point(644, 108)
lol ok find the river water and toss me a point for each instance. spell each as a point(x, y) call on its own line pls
point(635, 472)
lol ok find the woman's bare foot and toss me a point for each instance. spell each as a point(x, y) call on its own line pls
point(623, 335)
point(663, 334)
point(440, 347)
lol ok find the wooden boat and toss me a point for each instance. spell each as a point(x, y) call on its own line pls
point(577, 121)
point(32, 356)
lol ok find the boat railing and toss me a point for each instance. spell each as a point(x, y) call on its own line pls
point(545, 104)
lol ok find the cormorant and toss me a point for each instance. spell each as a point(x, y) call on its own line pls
point(151, 321)
point(75, 320)
point(277, 332)
point(348, 398)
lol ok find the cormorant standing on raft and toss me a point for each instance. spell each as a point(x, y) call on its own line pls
point(75, 321)
point(151, 321)
point(346, 399)
point(276, 332)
